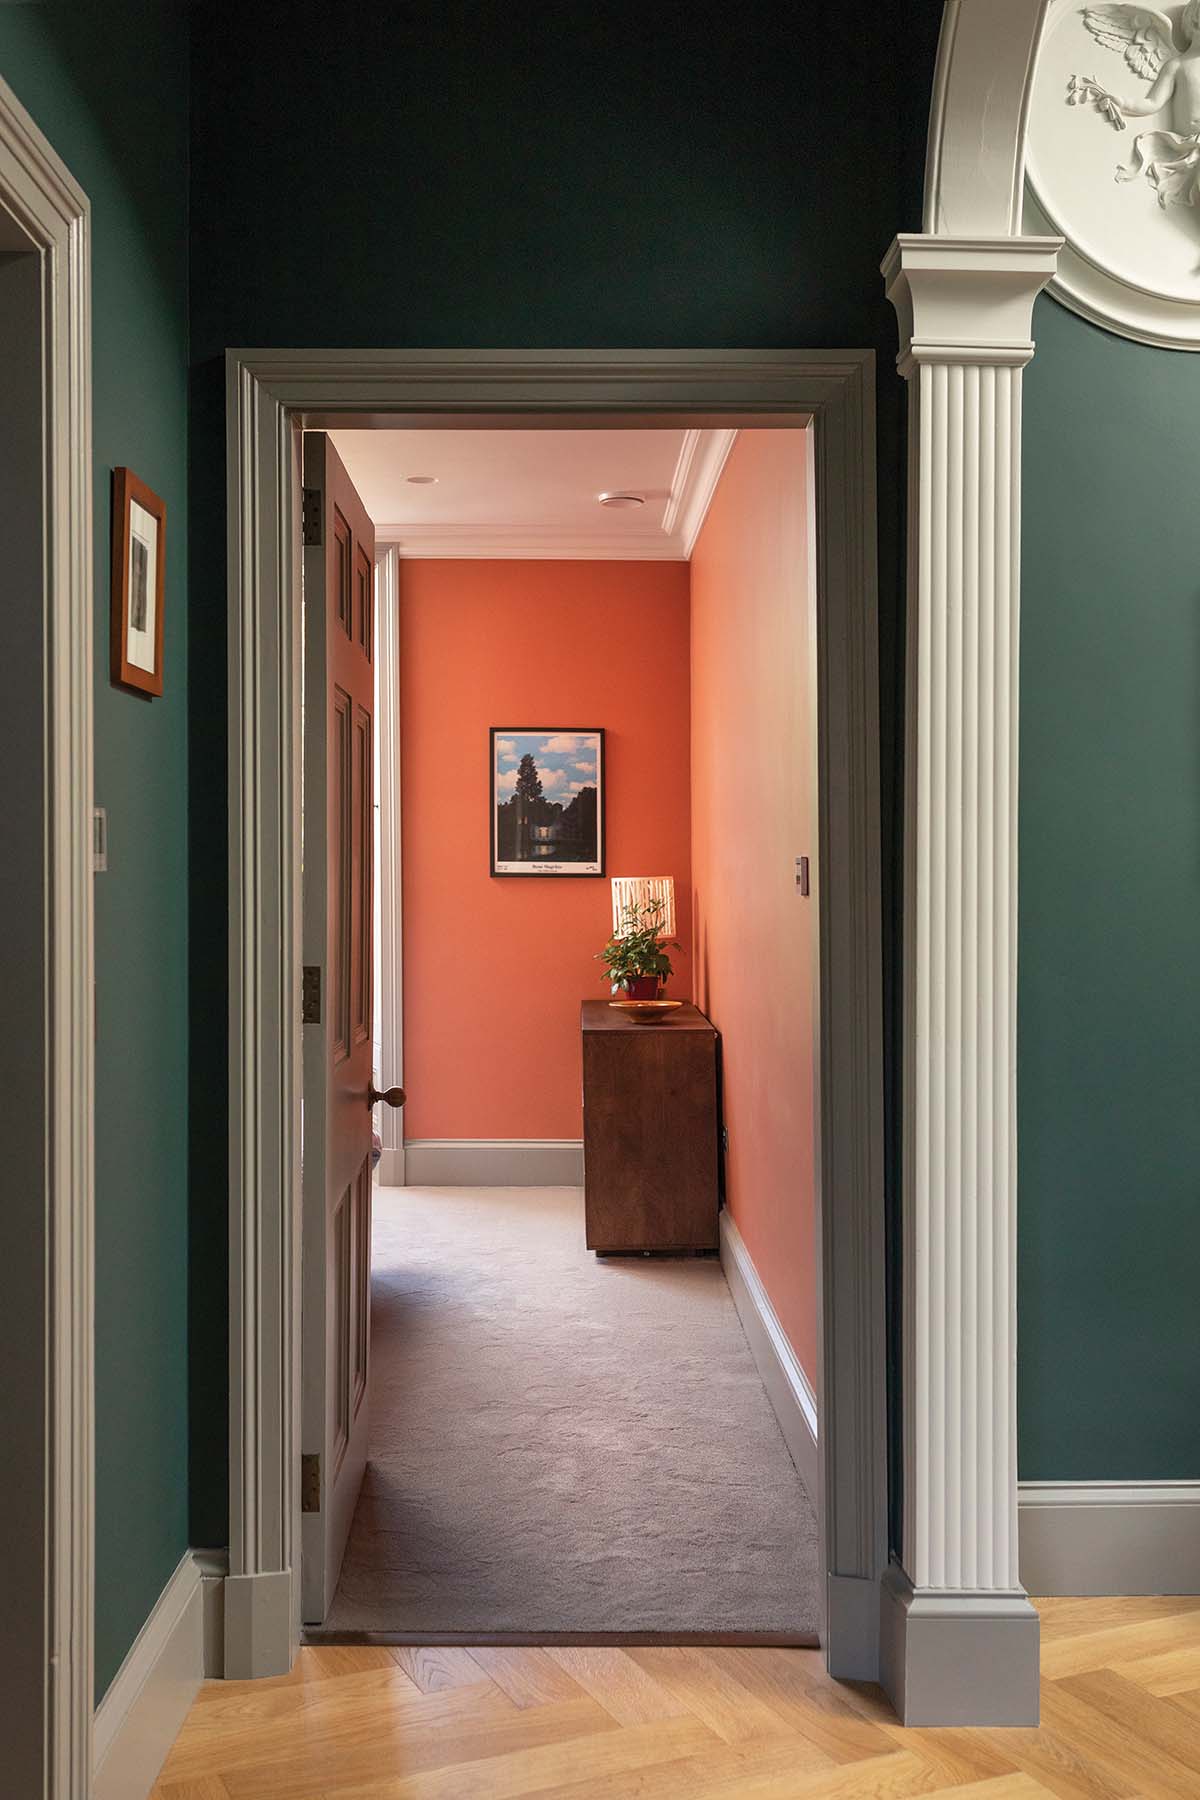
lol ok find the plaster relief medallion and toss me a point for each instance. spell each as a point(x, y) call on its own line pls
point(1113, 165)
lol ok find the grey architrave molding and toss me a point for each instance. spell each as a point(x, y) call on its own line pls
point(389, 1120)
point(49, 1086)
point(269, 394)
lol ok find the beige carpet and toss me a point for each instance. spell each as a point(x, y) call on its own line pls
point(563, 1445)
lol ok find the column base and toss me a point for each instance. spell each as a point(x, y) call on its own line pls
point(958, 1658)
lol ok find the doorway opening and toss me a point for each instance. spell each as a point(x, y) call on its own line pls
point(550, 1426)
point(273, 398)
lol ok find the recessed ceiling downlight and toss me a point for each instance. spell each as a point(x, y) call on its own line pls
point(621, 499)
point(422, 480)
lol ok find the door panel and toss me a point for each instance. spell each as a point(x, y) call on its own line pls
point(338, 931)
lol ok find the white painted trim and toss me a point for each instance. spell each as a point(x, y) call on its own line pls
point(702, 456)
point(389, 932)
point(950, 1652)
point(975, 159)
point(390, 1172)
point(965, 309)
point(698, 484)
point(52, 209)
point(788, 1388)
point(139, 1717)
point(1110, 1537)
point(1142, 310)
point(681, 479)
point(522, 543)
point(494, 1162)
point(1104, 299)
point(265, 1075)
point(268, 391)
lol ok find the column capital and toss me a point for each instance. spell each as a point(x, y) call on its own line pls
point(966, 300)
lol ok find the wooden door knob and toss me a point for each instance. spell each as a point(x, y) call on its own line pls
point(393, 1096)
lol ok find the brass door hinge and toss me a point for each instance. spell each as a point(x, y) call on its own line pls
point(310, 1484)
point(311, 517)
point(310, 995)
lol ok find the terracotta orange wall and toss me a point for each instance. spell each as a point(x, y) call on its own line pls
point(494, 969)
point(752, 800)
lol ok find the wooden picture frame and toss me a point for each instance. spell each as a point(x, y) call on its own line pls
point(570, 800)
point(139, 562)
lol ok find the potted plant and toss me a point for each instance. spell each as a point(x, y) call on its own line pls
point(635, 957)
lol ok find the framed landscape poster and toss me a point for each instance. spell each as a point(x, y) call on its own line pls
point(547, 799)
point(139, 561)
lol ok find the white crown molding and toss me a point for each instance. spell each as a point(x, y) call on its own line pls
point(702, 456)
point(695, 484)
point(520, 543)
point(679, 480)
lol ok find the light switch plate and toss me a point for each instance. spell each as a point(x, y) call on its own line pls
point(99, 840)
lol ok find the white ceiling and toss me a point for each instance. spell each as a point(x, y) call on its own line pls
point(534, 493)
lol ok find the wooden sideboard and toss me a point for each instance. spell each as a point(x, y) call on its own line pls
point(651, 1154)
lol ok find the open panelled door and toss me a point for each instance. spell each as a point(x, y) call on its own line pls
point(339, 569)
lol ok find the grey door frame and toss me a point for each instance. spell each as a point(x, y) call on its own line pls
point(46, 1328)
point(271, 396)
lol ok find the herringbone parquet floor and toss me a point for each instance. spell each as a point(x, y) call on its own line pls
point(1120, 1717)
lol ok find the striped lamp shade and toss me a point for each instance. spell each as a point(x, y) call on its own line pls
point(629, 891)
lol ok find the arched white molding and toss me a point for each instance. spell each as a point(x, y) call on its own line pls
point(958, 1636)
point(975, 162)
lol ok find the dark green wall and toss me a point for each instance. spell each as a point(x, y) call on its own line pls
point(475, 175)
point(110, 92)
point(1109, 992)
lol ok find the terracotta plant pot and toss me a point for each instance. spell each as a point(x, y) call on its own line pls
point(641, 987)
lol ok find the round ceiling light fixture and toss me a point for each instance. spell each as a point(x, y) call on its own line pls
point(422, 480)
point(619, 499)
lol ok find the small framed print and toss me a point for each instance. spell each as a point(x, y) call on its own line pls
point(139, 560)
point(547, 801)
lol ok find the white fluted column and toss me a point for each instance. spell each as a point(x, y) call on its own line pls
point(955, 1610)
